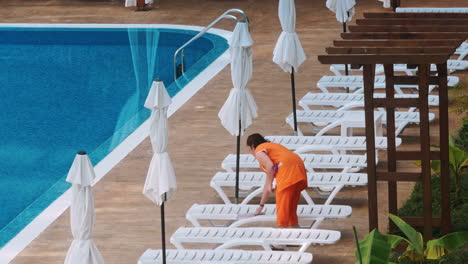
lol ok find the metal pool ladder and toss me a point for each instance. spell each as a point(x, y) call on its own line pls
point(226, 14)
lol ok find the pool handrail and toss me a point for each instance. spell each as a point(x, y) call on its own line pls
point(202, 32)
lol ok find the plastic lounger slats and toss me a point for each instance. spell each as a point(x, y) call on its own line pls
point(226, 256)
point(329, 142)
point(432, 10)
point(311, 161)
point(253, 182)
point(329, 116)
point(354, 82)
point(234, 212)
point(452, 65)
point(342, 99)
point(253, 236)
point(251, 179)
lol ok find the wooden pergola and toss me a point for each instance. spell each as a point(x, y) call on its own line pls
point(417, 40)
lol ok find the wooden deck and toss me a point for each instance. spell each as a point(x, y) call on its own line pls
point(126, 222)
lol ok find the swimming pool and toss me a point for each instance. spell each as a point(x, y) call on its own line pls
point(67, 89)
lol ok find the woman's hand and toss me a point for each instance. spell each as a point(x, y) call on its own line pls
point(259, 210)
point(268, 187)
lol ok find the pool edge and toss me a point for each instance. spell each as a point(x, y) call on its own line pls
point(19, 242)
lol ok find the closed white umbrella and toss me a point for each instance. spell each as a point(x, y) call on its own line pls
point(240, 108)
point(344, 11)
point(160, 181)
point(386, 3)
point(82, 250)
point(288, 52)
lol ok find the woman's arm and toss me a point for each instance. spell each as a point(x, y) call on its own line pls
point(267, 164)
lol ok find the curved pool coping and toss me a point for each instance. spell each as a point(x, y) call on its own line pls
point(10, 250)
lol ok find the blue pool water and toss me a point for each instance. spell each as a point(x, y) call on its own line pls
point(69, 89)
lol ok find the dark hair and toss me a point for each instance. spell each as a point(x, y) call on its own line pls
point(255, 140)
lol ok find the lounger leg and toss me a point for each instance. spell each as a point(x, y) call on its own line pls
point(177, 244)
point(221, 193)
point(304, 106)
point(240, 242)
point(291, 124)
point(317, 222)
point(327, 128)
point(400, 128)
point(307, 197)
point(332, 195)
point(227, 168)
point(253, 194)
point(193, 221)
point(249, 220)
point(304, 247)
point(323, 89)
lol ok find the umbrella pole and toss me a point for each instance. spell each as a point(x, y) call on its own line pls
point(163, 231)
point(237, 163)
point(293, 92)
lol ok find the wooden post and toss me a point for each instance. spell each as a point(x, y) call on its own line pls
point(444, 149)
point(369, 76)
point(140, 3)
point(423, 72)
point(391, 146)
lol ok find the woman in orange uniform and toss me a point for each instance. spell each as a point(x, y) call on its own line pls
point(291, 177)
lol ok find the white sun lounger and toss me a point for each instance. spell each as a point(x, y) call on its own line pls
point(355, 83)
point(334, 144)
point(330, 119)
point(346, 163)
point(350, 100)
point(462, 51)
point(250, 181)
point(452, 66)
point(241, 214)
point(225, 256)
point(253, 236)
point(432, 10)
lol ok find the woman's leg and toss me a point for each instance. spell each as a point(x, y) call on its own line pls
point(295, 197)
point(282, 207)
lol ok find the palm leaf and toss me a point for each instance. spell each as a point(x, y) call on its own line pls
point(437, 248)
point(375, 248)
point(415, 240)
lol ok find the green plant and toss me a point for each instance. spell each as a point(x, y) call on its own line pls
point(462, 138)
point(458, 161)
point(459, 98)
point(375, 248)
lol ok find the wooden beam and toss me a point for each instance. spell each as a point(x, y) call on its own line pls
point(419, 221)
point(399, 42)
point(415, 155)
point(385, 28)
point(412, 21)
point(410, 80)
point(399, 176)
point(405, 35)
point(398, 102)
point(392, 50)
point(383, 59)
point(387, 15)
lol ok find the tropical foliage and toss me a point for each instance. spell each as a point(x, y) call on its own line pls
point(375, 248)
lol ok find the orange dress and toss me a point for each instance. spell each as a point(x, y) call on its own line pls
point(291, 179)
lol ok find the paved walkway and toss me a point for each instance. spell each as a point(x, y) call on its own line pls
point(126, 222)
